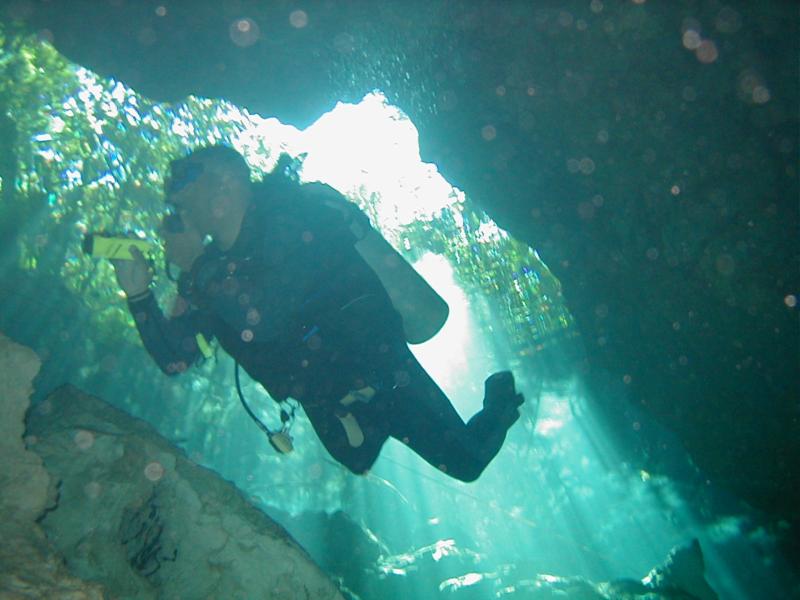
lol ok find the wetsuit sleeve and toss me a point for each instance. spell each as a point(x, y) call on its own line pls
point(173, 342)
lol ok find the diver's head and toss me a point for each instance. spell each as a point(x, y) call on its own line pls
point(208, 187)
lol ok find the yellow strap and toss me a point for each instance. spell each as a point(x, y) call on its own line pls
point(202, 344)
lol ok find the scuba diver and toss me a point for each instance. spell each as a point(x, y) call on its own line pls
point(275, 271)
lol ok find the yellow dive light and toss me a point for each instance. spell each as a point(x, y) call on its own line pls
point(98, 245)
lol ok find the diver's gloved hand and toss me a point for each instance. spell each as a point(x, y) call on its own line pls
point(134, 276)
point(501, 392)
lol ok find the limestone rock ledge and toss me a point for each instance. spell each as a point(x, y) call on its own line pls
point(30, 567)
point(126, 510)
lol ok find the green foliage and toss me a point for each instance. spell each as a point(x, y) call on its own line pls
point(91, 155)
point(526, 296)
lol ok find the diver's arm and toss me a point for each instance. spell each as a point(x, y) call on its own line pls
point(173, 343)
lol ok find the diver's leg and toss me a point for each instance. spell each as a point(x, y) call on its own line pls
point(422, 417)
point(356, 452)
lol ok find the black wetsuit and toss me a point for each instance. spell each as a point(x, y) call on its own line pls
point(294, 303)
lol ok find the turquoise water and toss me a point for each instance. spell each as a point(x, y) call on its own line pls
point(587, 485)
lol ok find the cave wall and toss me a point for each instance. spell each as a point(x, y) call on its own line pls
point(657, 180)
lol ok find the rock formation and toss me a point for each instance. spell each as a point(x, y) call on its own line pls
point(30, 567)
point(99, 505)
point(106, 499)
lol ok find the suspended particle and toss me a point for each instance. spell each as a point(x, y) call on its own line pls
point(691, 39)
point(586, 210)
point(761, 95)
point(161, 11)
point(675, 190)
point(92, 490)
point(315, 471)
point(154, 471)
point(83, 439)
point(707, 52)
point(253, 317)
point(244, 32)
point(790, 300)
point(298, 19)
point(586, 166)
point(247, 335)
point(728, 20)
point(344, 43)
point(488, 132)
